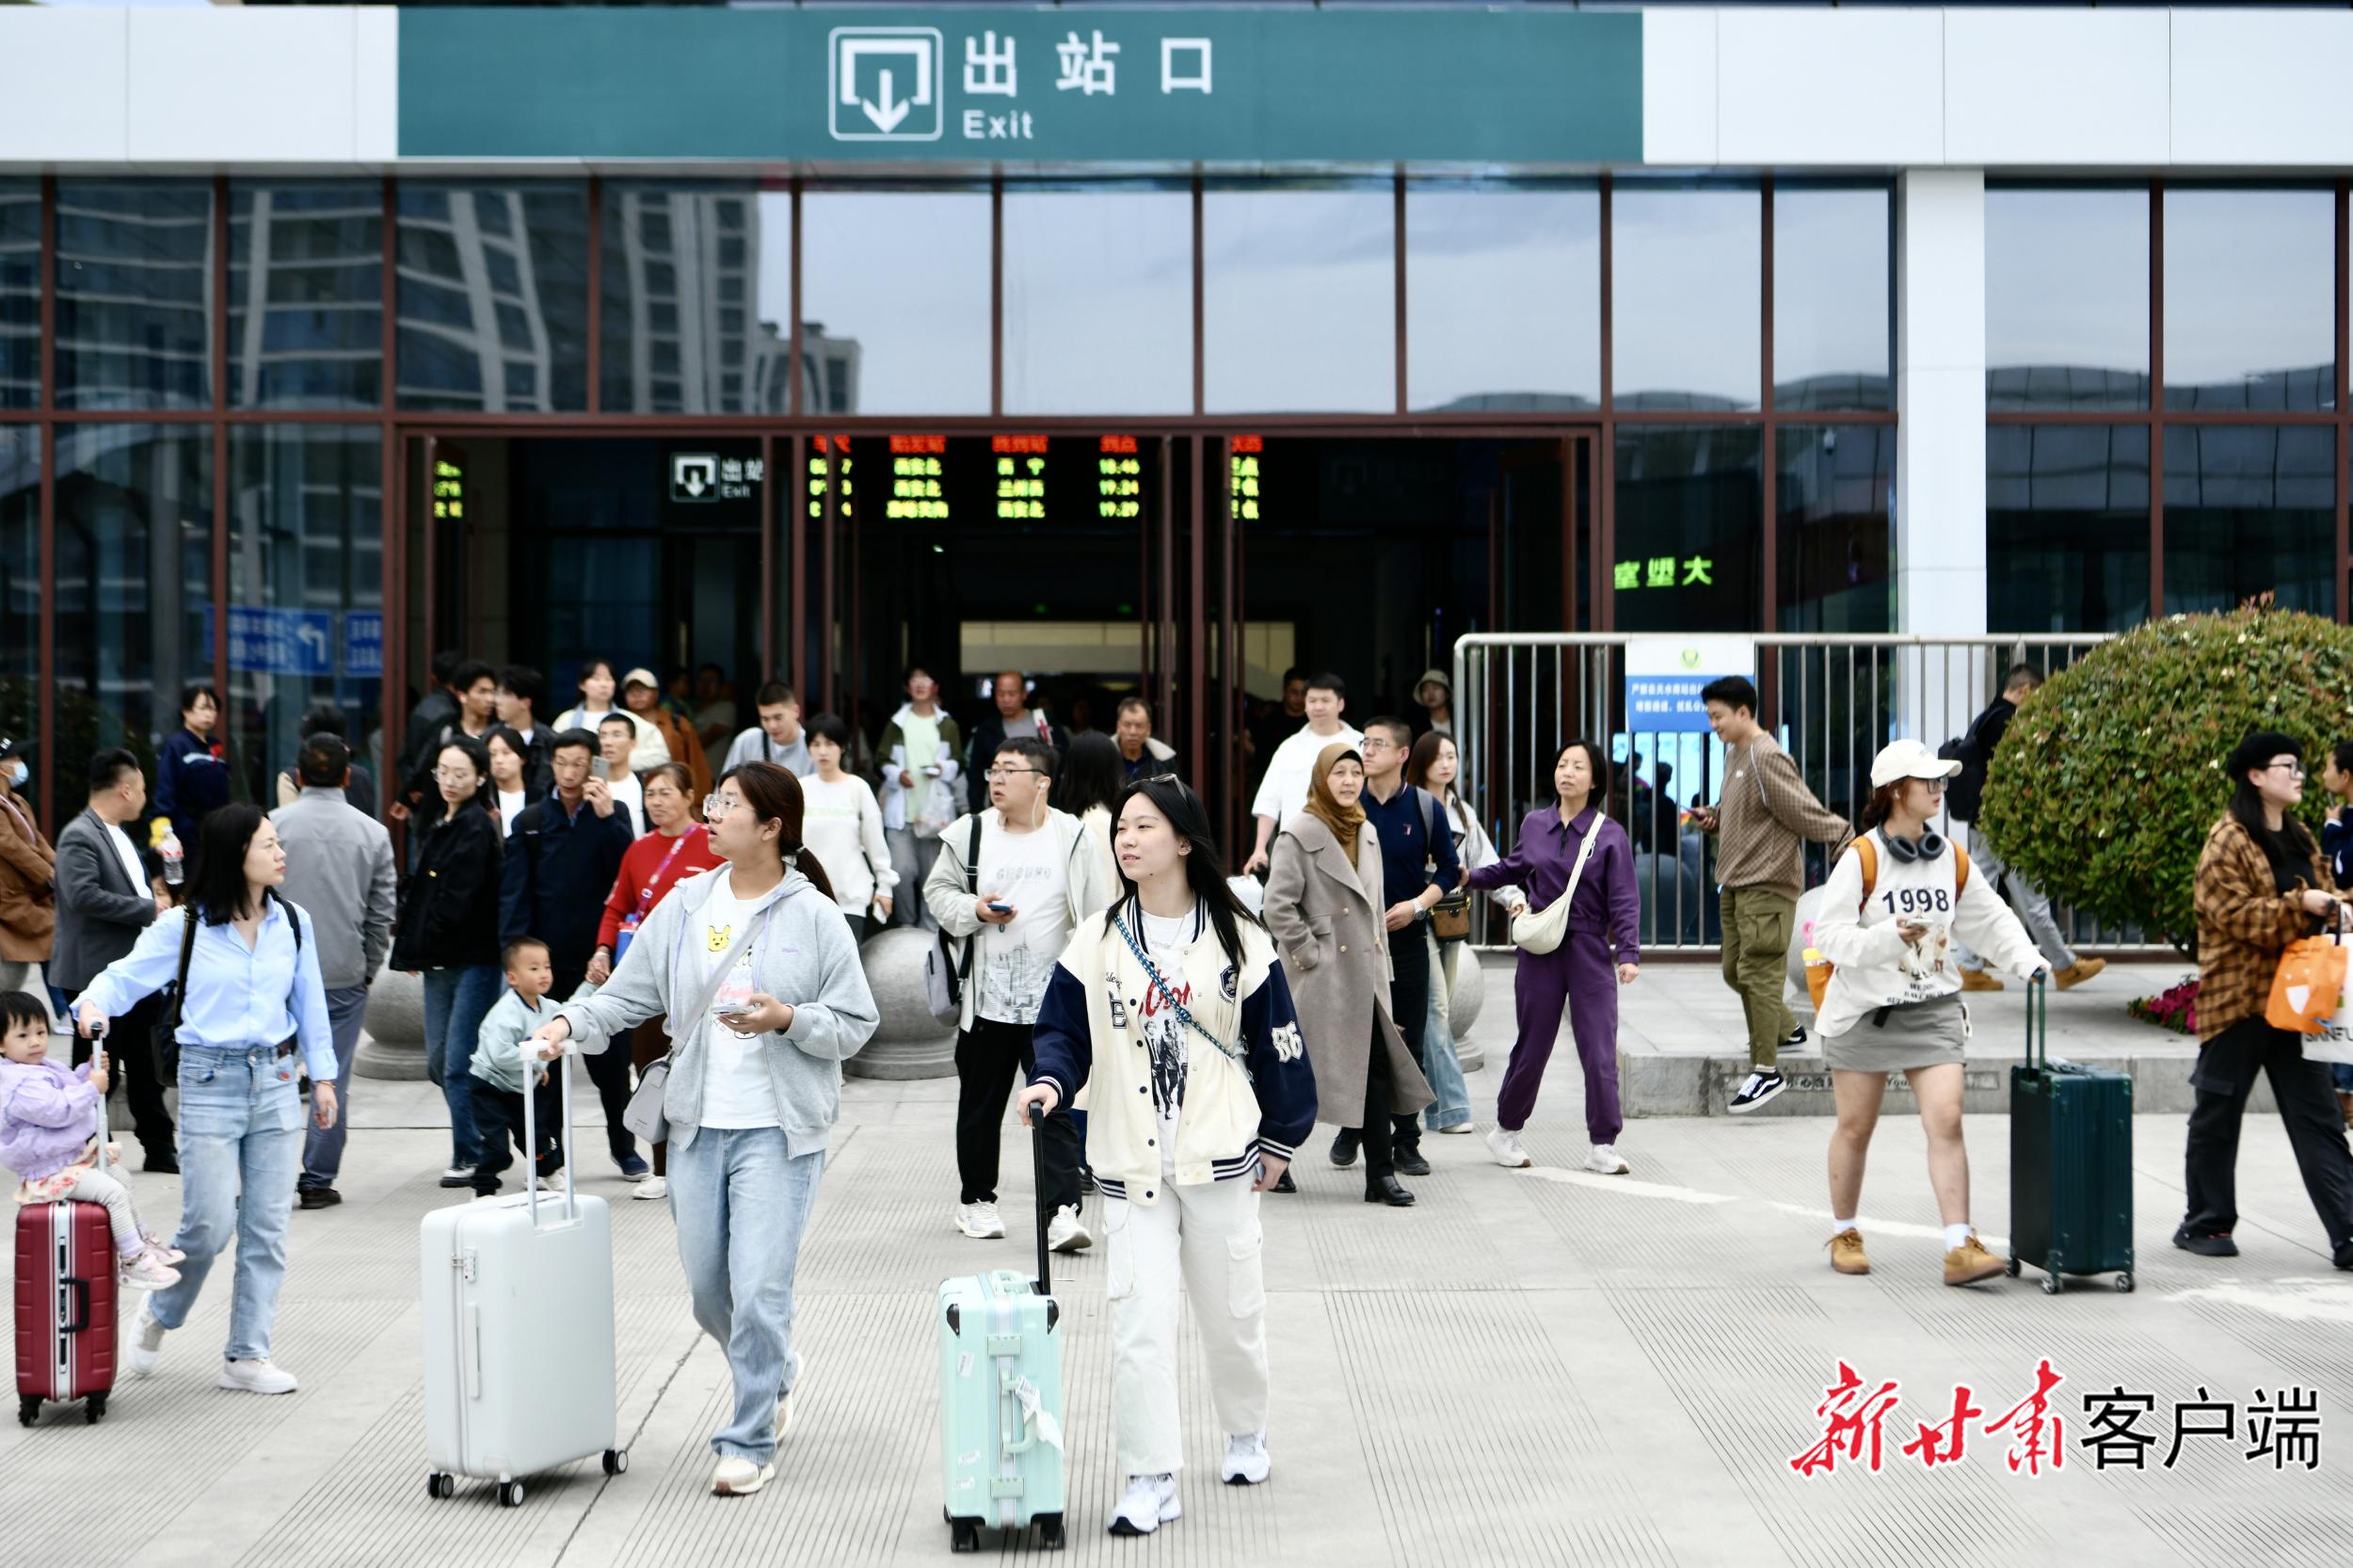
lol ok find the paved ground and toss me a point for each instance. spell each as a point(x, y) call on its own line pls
point(1530, 1368)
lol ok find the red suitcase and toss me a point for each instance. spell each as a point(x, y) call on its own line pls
point(65, 1303)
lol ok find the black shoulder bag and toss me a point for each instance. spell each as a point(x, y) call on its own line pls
point(945, 970)
point(168, 1032)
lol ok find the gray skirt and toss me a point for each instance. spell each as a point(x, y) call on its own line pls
point(1921, 1035)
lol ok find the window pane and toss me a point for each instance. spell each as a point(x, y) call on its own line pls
point(19, 581)
point(669, 252)
point(1098, 301)
point(306, 510)
point(2250, 509)
point(134, 524)
point(2067, 527)
point(2250, 312)
point(306, 295)
point(1833, 266)
point(894, 302)
point(2067, 298)
point(1299, 288)
point(1835, 505)
point(1689, 528)
point(135, 294)
point(1688, 283)
point(477, 263)
point(1503, 297)
point(19, 294)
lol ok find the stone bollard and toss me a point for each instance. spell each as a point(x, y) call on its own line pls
point(1471, 994)
point(392, 1044)
point(909, 1042)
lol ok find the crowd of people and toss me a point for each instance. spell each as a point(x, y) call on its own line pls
point(683, 905)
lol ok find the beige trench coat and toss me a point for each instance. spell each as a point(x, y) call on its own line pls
point(1326, 916)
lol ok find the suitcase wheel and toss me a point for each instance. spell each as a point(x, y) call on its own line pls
point(511, 1493)
point(27, 1409)
point(2124, 1282)
point(2010, 1268)
point(1050, 1534)
point(439, 1484)
point(616, 1462)
point(2051, 1285)
point(94, 1408)
point(964, 1535)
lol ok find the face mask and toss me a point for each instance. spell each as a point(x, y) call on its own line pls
point(18, 773)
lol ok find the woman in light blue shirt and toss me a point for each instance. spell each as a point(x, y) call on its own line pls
point(252, 998)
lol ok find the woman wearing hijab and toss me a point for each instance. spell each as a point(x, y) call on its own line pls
point(1324, 904)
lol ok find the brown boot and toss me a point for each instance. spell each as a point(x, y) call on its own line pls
point(1846, 1252)
point(1977, 980)
point(1970, 1262)
point(2079, 971)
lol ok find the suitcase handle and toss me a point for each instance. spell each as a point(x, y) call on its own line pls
point(562, 1067)
point(78, 1292)
point(2038, 1023)
point(1045, 1282)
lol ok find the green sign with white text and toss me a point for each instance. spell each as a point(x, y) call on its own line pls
point(968, 85)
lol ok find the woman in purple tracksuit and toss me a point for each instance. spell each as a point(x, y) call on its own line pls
point(1578, 972)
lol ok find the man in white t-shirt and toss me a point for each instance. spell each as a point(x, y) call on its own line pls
point(1037, 878)
point(616, 738)
point(1283, 792)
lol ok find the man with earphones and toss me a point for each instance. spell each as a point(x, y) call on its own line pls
point(1763, 819)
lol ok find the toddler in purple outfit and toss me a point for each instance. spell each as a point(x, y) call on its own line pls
point(48, 1136)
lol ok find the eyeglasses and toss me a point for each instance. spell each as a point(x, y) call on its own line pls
point(717, 806)
point(2296, 770)
point(454, 776)
point(1013, 772)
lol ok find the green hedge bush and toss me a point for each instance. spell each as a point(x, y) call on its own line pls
point(2109, 777)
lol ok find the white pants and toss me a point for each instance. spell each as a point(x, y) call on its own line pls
point(1208, 1237)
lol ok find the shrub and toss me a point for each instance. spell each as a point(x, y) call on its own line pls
point(2106, 782)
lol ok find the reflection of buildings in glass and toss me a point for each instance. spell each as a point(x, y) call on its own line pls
point(306, 306)
point(135, 293)
point(828, 371)
point(478, 329)
point(19, 294)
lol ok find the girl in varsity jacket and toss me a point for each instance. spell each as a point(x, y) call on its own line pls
point(1169, 1022)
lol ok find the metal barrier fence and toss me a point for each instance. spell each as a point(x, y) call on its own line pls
point(1832, 701)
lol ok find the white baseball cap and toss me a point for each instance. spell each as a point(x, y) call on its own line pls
point(1908, 759)
point(641, 678)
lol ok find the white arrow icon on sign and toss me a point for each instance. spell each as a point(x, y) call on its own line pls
point(313, 637)
point(881, 76)
point(891, 110)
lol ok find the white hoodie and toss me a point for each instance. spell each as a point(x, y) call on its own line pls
point(1875, 966)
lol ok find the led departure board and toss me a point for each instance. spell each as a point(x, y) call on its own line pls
point(829, 449)
point(1244, 453)
point(1119, 480)
point(1020, 477)
point(918, 479)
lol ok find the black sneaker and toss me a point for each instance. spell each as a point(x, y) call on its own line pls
point(1284, 1184)
point(2344, 1256)
point(1795, 1040)
point(2218, 1243)
point(1409, 1163)
point(319, 1197)
point(1344, 1148)
point(1760, 1087)
point(161, 1164)
point(633, 1167)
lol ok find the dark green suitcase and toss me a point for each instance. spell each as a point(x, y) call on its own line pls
point(2071, 1162)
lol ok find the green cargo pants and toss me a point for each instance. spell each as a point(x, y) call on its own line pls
point(1757, 926)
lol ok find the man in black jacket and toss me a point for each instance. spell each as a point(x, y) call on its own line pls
point(106, 898)
point(1013, 719)
point(561, 862)
point(1977, 746)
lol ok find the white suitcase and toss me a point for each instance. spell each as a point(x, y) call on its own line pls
point(519, 1356)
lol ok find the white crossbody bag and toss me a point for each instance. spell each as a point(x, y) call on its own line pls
point(1540, 930)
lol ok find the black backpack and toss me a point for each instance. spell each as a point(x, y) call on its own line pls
point(1966, 793)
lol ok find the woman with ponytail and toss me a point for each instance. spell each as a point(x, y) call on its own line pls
point(760, 982)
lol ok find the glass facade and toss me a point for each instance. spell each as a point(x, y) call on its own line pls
point(135, 294)
point(493, 296)
point(698, 301)
point(1690, 552)
point(1098, 300)
point(898, 284)
point(2067, 298)
point(1833, 315)
point(1503, 297)
point(19, 294)
point(2067, 527)
point(1687, 297)
point(19, 581)
point(2248, 511)
point(306, 295)
point(2250, 285)
point(1298, 290)
point(1835, 503)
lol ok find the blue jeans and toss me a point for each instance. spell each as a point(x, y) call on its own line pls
point(739, 1203)
point(456, 1000)
point(240, 1144)
point(1443, 1065)
point(2341, 1074)
point(323, 1147)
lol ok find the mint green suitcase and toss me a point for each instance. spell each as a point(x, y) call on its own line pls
point(1001, 1440)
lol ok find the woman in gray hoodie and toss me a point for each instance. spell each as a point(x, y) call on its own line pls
point(761, 984)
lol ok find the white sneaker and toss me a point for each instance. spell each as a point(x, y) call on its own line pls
point(739, 1478)
point(1605, 1160)
point(651, 1190)
point(1149, 1503)
point(256, 1377)
point(1246, 1462)
point(979, 1220)
point(1508, 1152)
point(1065, 1232)
point(147, 1343)
point(1461, 1127)
point(457, 1175)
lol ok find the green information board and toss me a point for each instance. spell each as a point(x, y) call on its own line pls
point(977, 84)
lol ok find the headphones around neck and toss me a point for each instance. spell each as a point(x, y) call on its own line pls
point(1927, 847)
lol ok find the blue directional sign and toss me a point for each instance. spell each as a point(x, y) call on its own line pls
point(263, 641)
point(363, 644)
